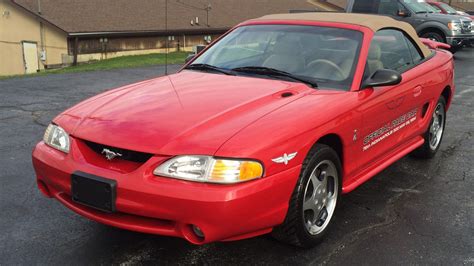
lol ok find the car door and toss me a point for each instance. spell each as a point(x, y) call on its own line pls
point(389, 113)
point(398, 9)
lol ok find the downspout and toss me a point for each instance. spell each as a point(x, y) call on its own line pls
point(42, 45)
point(75, 49)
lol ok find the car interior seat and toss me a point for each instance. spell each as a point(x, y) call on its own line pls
point(286, 56)
point(373, 61)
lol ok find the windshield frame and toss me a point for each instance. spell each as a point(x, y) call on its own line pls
point(430, 7)
point(447, 8)
point(359, 66)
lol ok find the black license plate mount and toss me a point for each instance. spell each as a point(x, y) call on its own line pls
point(94, 191)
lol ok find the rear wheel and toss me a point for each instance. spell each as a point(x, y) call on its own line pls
point(434, 134)
point(314, 200)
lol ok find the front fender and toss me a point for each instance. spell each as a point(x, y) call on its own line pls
point(296, 128)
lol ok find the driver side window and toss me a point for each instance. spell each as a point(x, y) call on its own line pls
point(391, 49)
point(389, 7)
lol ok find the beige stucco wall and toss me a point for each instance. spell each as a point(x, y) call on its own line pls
point(16, 25)
point(55, 45)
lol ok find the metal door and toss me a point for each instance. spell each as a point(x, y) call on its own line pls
point(30, 57)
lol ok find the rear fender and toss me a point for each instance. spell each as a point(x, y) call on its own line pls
point(434, 44)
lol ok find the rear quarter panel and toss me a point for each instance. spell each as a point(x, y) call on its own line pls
point(439, 73)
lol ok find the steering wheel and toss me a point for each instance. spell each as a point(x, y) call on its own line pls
point(320, 65)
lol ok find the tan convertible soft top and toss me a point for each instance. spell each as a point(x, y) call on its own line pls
point(373, 22)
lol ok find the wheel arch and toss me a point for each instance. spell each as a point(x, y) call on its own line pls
point(447, 94)
point(335, 142)
point(433, 29)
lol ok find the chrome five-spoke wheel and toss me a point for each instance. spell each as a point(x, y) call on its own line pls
point(437, 126)
point(314, 201)
point(320, 197)
point(434, 133)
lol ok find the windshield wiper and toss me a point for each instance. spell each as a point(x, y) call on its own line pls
point(421, 12)
point(207, 67)
point(274, 73)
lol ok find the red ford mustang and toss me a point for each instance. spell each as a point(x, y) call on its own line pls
point(262, 132)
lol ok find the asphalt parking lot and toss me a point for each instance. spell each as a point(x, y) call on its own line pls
point(414, 212)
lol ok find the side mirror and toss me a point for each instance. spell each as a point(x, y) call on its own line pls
point(189, 58)
point(403, 13)
point(382, 77)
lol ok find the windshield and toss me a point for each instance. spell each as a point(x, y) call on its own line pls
point(323, 55)
point(417, 7)
point(438, 10)
point(448, 9)
point(431, 8)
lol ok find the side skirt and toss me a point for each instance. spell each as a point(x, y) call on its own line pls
point(382, 163)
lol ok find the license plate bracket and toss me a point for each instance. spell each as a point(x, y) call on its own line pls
point(94, 191)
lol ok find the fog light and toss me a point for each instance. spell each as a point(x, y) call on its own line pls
point(198, 232)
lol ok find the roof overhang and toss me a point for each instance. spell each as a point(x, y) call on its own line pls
point(200, 31)
point(38, 16)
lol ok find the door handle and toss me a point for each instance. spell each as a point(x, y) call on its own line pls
point(417, 91)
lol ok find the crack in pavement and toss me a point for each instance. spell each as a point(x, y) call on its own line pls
point(453, 147)
point(415, 231)
point(35, 114)
point(464, 175)
point(24, 104)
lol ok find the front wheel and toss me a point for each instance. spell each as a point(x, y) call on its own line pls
point(314, 200)
point(434, 36)
point(435, 132)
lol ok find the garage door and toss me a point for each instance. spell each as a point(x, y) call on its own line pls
point(30, 56)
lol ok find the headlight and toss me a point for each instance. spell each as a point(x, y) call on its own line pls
point(57, 138)
point(454, 26)
point(210, 170)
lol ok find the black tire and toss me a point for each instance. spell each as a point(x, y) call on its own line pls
point(454, 49)
point(427, 150)
point(435, 36)
point(294, 230)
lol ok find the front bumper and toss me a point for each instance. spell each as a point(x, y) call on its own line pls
point(460, 40)
point(164, 206)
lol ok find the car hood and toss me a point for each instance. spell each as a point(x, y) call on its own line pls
point(444, 17)
point(186, 113)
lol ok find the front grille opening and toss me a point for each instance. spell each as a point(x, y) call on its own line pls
point(128, 155)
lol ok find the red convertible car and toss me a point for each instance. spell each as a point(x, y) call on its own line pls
point(261, 132)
